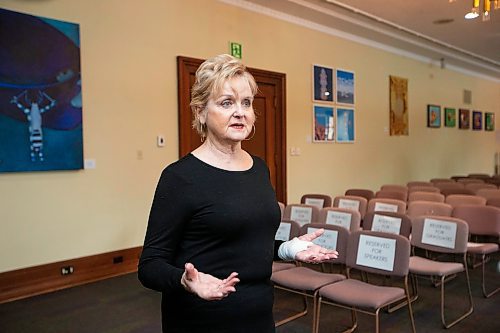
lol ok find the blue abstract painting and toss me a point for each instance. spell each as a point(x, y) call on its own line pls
point(345, 125)
point(40, 94)
point(345, 87)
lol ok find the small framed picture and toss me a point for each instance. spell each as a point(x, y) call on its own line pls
point(477, 120)
point(322, 84)
point(489, 121)
point(463, 119)
point(345, 87)
point(345, 125)
point(433, 116)
point(324, 123)
point(450, 117)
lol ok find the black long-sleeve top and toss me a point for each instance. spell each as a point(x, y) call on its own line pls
point(222, 222)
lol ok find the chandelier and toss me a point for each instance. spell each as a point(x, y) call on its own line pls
point(486, 10)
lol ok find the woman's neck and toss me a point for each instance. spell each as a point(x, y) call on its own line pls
point(224, 156)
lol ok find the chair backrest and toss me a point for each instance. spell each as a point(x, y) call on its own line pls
point(335, 237)
point(394, 188)
point(418, 183)
point(469, 180)
point(386, 194)
point(449, 191)
point(423, 189)
point(488, 193)
point(287, 230)
point(440, 234)
point(282, 208)
point(389, 222)
point(361, 192)
point(301, 213)
point(351, 202)
point(482, 220)
point(449, 185)
point(347, 218)
point(477, 186)
point(495, 202)
point(318, 200)
point(479, 175)
point(419, 208)
point(441, 180)
point(425, 196)
point(386, 205)
point(378, 252)
point(462, 199)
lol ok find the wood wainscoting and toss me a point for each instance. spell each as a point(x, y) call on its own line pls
point(42, 279)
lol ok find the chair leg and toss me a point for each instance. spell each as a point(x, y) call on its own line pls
point(412, 298)
point(295, 316)
point(354, 321)
point(409, 301)
point(483, 283)
point(469, 310)
point(317, 311)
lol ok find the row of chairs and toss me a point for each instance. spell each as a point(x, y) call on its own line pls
point(480, 218)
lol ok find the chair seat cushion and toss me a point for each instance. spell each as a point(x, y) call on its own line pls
point(481, 248)
point(302, 278)
point(357, 293)
point(280, 266)
point(424, 266)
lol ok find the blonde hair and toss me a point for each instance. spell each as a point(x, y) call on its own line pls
point(209, 80)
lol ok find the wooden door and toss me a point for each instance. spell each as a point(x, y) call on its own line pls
point(269, 141)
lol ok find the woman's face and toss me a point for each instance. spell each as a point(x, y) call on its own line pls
point(230, 116)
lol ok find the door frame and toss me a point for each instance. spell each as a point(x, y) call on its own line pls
point(187, 65)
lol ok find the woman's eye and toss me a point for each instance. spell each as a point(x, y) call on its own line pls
point(247, 103)
point(226, 103)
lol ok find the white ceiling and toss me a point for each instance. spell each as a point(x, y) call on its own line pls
point(404, 27)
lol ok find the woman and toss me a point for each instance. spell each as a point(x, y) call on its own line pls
point(209, 245)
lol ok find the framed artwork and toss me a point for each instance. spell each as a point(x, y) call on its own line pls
point(477, 120)
point(324, 124)
point(40, 94)
point(345, 125)
point(433, 116)
point(322, 83)
point(450, 117)
point(345, 87)
point(489, 121)
point(398, 106)
point(463, 119)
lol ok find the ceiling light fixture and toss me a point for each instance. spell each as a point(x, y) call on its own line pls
point(485, 13)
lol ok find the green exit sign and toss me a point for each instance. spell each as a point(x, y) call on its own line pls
point(235, 50)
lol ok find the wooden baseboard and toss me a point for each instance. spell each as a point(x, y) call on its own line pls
point(42, 279)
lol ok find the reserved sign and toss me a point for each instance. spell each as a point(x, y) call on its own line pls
point(376, 252)
point(439, 233)
point(339, 218)
point(384, 207)
point(302, 215)
point(328, 239)
point(349, 204)
point(389, 224)
point(283, 233)
point(315, 202)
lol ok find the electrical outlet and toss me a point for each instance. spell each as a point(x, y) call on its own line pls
point(67, 270)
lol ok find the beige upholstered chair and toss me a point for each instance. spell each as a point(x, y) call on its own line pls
point(450, 191)
point(351, 202)
point(386, 194)
point(386, 205)
point(419, 208)
point(393, 187)
point(347, 218)
point(444, 235)
point(425, 196)
point(488, 193)
point(462, 199)
point(474, 187)
point(418, 183)
point(482, 221)
point(318, 200)
point(423, 189)
point(389, 222)
point(361, 192)
point(449, 185)
point(392, 258)
point(305, 281)
point(301, 213)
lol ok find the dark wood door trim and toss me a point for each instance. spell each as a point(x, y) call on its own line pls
point(187, 65)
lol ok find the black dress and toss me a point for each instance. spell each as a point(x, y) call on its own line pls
point(222, 222)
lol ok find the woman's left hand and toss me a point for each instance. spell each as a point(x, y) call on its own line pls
point(315, 254)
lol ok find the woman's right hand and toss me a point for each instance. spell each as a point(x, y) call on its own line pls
point(207, 286)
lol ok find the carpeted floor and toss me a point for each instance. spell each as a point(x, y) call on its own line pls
point(122, 305)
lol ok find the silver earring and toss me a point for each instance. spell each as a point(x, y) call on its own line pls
point(203, 131)
point(254, 130)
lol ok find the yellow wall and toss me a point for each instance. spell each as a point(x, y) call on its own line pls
point(129, 51)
